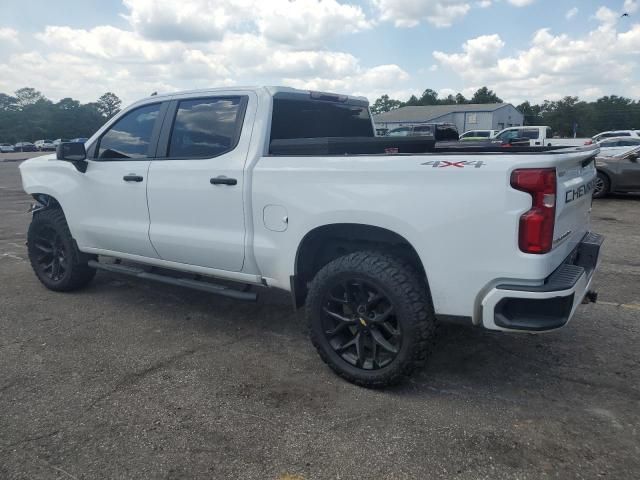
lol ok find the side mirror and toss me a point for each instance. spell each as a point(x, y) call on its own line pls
point(73, 152)
point(633, 157)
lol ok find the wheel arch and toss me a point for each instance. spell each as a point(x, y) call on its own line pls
point(46, 201)
point(327, 242)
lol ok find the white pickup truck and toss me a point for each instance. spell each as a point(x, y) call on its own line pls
point(381, 237)
point(537, 136)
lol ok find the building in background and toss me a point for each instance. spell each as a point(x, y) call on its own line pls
point(490, 116)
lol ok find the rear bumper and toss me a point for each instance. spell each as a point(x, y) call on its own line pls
point(513, 307)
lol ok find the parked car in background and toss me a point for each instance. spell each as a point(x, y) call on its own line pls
point(537, 135)
point(58, 141)
point(613, 133)
point(618, 173)
point(440, 131)
point(617, 145)
point(25, 147)
point(472, 135)
point(44, 145)
point(79, 140)
point(6, 148)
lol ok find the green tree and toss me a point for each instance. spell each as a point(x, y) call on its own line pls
point(429, 97)
point(460, 99)
point(109, 104)
point(484, 95)
point(8, 103)
point(27, 96)
point(531, 113)
point(412, 102)
point(384, 104)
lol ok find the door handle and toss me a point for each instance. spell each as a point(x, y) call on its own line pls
point(223, 181)
point(132, 178)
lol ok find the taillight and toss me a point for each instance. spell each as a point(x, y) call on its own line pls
point(588, 142)
point(536, 225)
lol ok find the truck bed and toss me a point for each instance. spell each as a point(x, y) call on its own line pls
point(402, 145)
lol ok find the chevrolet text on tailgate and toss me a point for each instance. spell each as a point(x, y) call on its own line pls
point(379, 237)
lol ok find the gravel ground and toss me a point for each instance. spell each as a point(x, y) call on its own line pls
point(128, 379)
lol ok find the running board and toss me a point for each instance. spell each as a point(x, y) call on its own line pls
point(181, 282)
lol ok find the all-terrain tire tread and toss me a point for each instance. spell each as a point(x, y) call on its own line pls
point(407, 284)
point(80, 273)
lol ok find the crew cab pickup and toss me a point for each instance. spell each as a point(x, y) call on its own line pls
point(379, 237)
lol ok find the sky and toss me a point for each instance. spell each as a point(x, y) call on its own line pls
point(522, 49)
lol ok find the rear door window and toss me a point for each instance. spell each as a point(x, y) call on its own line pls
point(206, 127)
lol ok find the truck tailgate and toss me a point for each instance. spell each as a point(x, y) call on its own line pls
point(576, 180)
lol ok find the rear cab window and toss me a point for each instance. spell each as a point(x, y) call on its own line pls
point(316, 115)
point(446, 132)
point(530, 133)
point(423, 130)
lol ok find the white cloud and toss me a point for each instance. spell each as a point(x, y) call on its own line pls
point(521, 3)
point(308, 22)
point(553, 65)
point(606, 16)
point(156, 55)
point(409, 13)
point(439, 13)
point(8, 35)
point(572, 12)
point(303, 23)
point(630, 6)
point(371, 82)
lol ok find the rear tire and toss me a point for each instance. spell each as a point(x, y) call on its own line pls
point(53, 254)
point(370, 318)
point(602, 186)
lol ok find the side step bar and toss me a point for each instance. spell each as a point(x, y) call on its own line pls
point(182, 282)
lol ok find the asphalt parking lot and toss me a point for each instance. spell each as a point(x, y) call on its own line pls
point(128, 379)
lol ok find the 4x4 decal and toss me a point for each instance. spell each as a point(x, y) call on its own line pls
point(460, 164)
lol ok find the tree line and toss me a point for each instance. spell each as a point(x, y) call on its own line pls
point(610, 112)
point(28, 115)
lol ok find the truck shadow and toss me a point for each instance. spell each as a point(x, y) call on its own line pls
point(465, 361)
point(472, 363)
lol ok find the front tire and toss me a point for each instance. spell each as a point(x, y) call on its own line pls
point(370, 318)
point(53, 254)
point(602, 186)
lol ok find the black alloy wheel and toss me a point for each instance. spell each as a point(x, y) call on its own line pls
point(370, 317)
point(360, 324)
point(52, 257)
point(53, 253)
